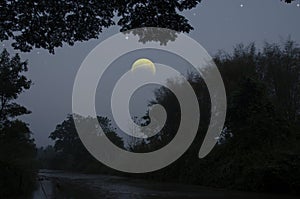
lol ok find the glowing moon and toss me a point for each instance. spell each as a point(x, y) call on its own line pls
point(144, 63)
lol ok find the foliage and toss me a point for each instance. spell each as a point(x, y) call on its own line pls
point(289, 1)
point(50, 23)
point(70, 153)
point(17, 149)
point(281, 70)
point(259, 150)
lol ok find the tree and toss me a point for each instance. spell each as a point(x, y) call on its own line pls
point(288, 1)
point(280, 66)
point(17, 149)
point(45, 157)
point(12, 84)
point(50, 23)
point(71, 153)
point(259, 150)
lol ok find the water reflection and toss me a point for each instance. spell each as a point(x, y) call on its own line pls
point(62, 185)
point(55, 188)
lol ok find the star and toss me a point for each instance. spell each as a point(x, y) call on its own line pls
point(194, 14)
point(242, 5)
point(38, 52)
point(3, 45)
point(298, 5)
point(127, 37)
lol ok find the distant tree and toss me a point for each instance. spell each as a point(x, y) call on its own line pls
point(17, 149)
point(45, 157)
point(71, 153)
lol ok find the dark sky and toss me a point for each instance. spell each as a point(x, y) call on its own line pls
point(218, 24)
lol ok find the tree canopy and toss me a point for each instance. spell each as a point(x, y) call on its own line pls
point(51, 23)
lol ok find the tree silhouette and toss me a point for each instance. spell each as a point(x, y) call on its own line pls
point(17, 149)
point(50, 23)
point(288, 1)
point(71, 153)
point(12, 84)
point(259, 147)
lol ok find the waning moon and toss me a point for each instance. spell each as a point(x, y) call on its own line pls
point(144, 63)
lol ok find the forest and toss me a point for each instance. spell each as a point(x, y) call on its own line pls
point(258, 149)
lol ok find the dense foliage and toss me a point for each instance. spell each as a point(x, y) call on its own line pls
point(259, 147)
point(69, 153)
point(51, 23)
point(261, 135)
point(17, 149)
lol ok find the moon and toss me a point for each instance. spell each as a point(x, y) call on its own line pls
point(144, 63)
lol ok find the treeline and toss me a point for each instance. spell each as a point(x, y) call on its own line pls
point(68, 153)
point(258, 149)
point(17, 149)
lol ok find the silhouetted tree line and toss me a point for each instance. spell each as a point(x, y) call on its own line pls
point(17, 148)
point(258, 149)
point(68, 152)
point(49, 24)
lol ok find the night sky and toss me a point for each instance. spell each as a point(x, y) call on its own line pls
point(218, 25)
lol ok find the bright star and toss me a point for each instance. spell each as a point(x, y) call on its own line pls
point(127, 37)
point(298, 5)
point(242, 5)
